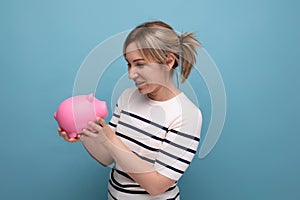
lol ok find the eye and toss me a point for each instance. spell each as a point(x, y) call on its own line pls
point(140, 65)
point(128, 66)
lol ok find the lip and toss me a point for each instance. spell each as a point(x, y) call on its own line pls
point(139, 83)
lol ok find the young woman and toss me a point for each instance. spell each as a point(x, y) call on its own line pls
point(154, 132)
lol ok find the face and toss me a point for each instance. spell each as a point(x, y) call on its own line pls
point(148, 76)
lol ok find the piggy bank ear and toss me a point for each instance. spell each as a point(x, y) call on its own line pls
point(90, 97)
point(55, 115)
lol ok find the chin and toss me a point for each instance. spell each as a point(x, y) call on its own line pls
point(143, 90)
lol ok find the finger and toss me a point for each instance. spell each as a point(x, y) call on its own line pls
point(61, 133)
point(72, 140)
point(94, 126)
point(101, 121)
point(88, 133)
point(64, 135)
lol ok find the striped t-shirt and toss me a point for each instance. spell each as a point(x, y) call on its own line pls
point(164, 133)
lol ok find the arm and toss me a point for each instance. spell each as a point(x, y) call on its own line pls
point(141, 171)
point(97, 151)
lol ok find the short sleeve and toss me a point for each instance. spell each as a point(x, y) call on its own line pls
point(180, 145)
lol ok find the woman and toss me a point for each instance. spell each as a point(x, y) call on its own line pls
point(155, 129)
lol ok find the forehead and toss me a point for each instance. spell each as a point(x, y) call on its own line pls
point(132, 52)
point(131, 47)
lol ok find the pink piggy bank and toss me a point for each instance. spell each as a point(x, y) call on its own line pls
point(74, 113)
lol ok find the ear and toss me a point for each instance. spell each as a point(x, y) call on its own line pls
point(170, 60)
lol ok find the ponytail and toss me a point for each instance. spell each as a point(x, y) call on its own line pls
point(187, 55)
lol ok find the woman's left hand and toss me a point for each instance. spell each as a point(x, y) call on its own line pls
point(101, 131)
point(96, 139)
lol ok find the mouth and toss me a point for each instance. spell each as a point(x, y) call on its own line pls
point(139, 83)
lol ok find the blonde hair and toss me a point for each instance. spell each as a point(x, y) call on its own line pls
point(156, 40)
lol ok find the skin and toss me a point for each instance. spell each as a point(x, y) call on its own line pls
point(155, 81)
point(152, 79)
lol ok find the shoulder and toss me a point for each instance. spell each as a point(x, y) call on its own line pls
point(189, 108)
point(187, 117)
point(127, 96)
point(127, 92)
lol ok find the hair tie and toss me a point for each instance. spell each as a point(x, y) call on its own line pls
point(180, 38)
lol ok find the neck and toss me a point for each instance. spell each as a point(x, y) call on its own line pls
point(164, 93)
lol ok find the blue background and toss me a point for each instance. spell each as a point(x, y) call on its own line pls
point(255, 45)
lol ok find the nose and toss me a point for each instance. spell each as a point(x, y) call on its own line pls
point(132, 73)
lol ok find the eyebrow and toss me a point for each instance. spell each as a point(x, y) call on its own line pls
point(136, 60)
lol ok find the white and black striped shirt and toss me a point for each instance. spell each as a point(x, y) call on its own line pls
point(164, 133)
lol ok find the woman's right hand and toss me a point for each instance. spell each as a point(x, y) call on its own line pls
point(64, 135)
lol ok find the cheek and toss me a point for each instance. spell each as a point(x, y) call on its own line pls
point(151, 74)
point(156, 78)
